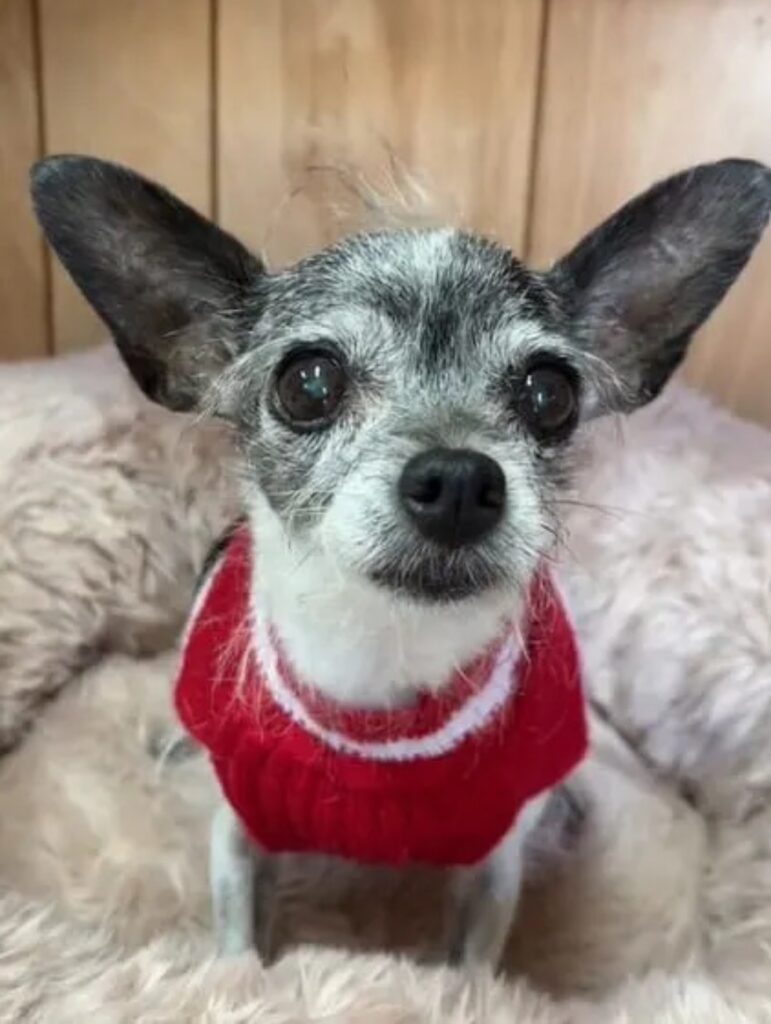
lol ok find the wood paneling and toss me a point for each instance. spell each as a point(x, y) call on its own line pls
point(447, 87)
point(130, 81)
point(23, 331)
point(635, 89)
point(247, 107)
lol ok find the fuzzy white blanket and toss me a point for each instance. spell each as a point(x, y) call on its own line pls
point(657, 908)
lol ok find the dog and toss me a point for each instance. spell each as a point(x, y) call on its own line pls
point(378, 661)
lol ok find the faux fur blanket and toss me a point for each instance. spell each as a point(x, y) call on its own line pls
point(656, 908)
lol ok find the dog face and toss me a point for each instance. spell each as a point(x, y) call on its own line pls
point(406, 402)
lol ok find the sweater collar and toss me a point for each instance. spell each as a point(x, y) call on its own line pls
point(434, 723)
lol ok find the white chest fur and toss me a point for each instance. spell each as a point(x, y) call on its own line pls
point(357, 644)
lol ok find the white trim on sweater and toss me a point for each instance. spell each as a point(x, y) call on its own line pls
point(472, 716)
point(475, 713)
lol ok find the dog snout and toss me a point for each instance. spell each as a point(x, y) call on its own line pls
point(453, 496)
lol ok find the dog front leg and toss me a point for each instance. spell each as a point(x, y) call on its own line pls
point(483, 899)
point(243, 884)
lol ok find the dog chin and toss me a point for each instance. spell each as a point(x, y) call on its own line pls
point(434, 583)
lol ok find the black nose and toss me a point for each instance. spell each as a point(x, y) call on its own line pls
point(454, 496)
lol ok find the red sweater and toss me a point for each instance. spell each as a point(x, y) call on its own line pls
point(440, 782)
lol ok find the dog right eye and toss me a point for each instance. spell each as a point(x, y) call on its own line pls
point(309, 388)
point(548, 400)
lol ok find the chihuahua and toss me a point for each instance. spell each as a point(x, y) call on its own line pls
point(407, 407)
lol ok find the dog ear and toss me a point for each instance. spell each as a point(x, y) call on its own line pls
point(637, 287)
point(169, 284)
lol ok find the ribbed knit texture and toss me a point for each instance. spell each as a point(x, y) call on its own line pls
point(304, 774)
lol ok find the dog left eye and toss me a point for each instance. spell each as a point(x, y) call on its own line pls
point(310, 388)
point(548, 401)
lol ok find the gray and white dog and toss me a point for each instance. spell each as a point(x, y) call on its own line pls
point(434, 349)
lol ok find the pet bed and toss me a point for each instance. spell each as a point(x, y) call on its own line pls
point(656, 905)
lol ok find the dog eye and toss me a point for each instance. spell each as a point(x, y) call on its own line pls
point(310, 387)
point(548, 401)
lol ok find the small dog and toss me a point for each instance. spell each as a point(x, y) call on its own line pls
point(378, 662)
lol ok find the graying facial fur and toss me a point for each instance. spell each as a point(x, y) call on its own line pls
point(434, 332)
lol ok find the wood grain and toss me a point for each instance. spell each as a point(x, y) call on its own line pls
point(633, 90)
point(129, 81)
point(249, 108)
point(23, 331)
point(445, 88)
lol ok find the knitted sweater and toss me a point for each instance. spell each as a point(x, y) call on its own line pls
point(439, 782)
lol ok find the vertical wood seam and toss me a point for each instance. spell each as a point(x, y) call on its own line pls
point(214, 111)
point(534, 151)
point(36, 16)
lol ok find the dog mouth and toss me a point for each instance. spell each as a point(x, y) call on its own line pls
point(438, 580)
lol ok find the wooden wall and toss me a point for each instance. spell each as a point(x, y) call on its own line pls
point(531, 119)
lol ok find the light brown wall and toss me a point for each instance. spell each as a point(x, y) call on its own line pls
point(531, 119)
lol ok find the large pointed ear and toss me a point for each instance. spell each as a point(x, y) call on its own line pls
point(636, 288)
point(171, 286)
